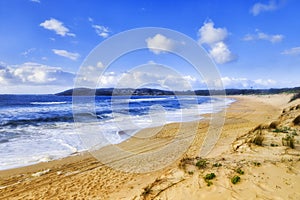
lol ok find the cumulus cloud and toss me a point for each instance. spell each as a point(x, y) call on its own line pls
point(221, 54)
point(90, 74)
point(160, 43)
point(215, 38)
point(263, 36)
point(292, 51)
point(56, 26)
point(174, 82)
point(211, 35)
point(102, 31)
point(66, 54)
point(139, 77)
point(34, 74)
point(260, 7)
point(244, 83)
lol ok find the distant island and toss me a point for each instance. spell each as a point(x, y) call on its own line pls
point(158, 92)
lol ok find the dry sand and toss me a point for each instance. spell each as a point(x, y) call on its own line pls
point(271, 170)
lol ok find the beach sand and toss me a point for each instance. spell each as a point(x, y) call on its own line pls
point(270, 170)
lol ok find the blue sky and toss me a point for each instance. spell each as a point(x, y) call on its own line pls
point(44, 42)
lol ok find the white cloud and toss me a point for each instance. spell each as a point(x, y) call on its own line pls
point(221, 53)
point(36, 1)
point(210, 35)
point(56, 26)
point(215, 38)
point(160, 43)
point(34, 74)
point(28, 52)
point(271, 38)
point(263, 36)
point(260, 7)
point(64, 53)
point(90, 74)
point(142, 77)
point(244, 83)
point(292, 51)
point(174, 82)
point(102, 31)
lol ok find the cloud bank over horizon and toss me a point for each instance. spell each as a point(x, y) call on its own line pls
point(39, 78)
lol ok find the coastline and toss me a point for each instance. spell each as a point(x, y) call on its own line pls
point(83, 176)
point(192, 116)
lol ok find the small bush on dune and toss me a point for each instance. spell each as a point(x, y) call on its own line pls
point(282, 130)
point(201, 164)
point(235, 179)
point(240, 171)
point(209, 177)
point(288, 141)
point(217, 165)
point(190, 172)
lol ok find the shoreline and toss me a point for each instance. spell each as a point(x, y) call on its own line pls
point(201, 117)
point(73, 171)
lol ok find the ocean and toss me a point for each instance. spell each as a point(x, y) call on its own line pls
point(40, 128)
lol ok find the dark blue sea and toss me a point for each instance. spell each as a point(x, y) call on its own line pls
point(39, 128)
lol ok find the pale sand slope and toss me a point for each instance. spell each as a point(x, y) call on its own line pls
point(83, 177)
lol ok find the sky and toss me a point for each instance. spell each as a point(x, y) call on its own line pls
point(44, 43)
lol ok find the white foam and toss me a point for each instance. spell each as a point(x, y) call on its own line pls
point(48, 103)
point(47, 142)
point(149, 99)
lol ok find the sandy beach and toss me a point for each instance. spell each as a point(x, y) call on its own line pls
point(249, 161)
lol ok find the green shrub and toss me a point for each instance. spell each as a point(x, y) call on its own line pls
point(288, 141)
point(240, 171)
point(217, 165)
point(294, 133)
point(209, 177)
point(209, 183)
point(282, 130)
point(190, 172)
point(235, 179)
point(274, 145)
point(257, 164)
point(201, 164)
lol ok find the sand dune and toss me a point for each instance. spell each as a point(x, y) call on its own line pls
point(269, 169)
